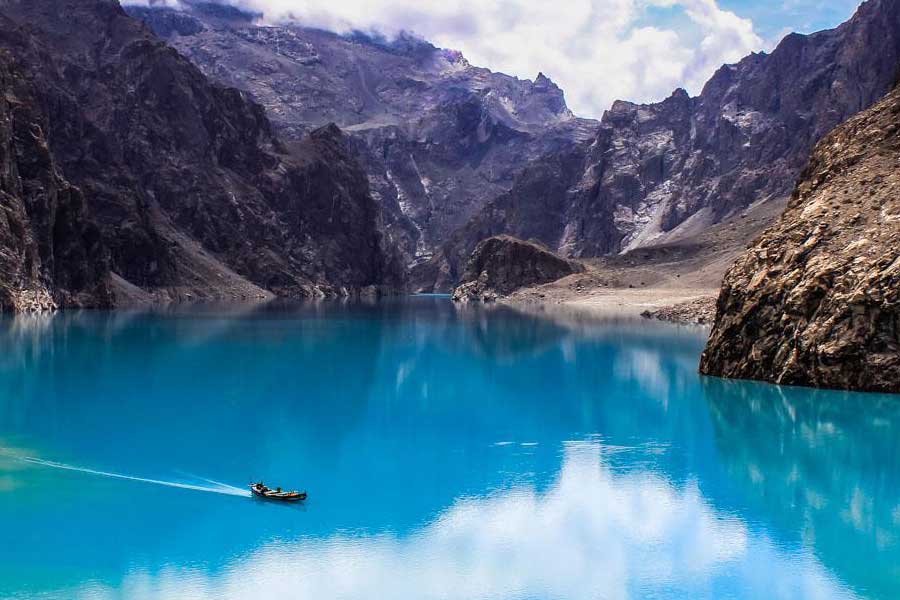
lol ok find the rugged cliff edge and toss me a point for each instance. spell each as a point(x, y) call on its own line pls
point(816, 301)
point(127, 174)
point(503, 264)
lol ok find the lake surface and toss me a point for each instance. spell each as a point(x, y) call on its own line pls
point(448, 453)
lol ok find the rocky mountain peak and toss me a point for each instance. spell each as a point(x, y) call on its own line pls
point(550, 95)
point(663, 171)
point(661, 174)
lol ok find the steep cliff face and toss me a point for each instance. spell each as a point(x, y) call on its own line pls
point(503, 264)
point(439, 137)
point(50, 254)
point(816, 301)
point(192, 194)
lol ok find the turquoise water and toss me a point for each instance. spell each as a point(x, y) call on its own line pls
point(448, 453)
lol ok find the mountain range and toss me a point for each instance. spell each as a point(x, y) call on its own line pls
point(155, 154)
point(439, 137)
point(456, 153)
point(662, 174)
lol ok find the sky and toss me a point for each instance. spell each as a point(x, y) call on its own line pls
point(597, 51)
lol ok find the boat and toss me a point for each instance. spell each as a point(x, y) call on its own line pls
point(260, 490)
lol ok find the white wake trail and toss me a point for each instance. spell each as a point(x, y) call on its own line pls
point(225, 489)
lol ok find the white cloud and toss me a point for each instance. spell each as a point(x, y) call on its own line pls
point(596, 50)
point(168, 3)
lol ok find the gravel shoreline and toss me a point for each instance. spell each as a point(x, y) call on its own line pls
point(701, 311)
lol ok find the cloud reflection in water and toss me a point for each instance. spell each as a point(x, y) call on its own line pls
point(593, 534)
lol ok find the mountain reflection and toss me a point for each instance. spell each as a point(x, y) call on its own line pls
point(503, 333)
point(822, 467)
point(449, 452)
point(591, 535)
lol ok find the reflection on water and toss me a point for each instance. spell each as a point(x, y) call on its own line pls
point(450, 453)
point(821, 465)
point(591, 535)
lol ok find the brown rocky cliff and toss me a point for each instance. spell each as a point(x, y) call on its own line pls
point(501, 265)
point(816, 301)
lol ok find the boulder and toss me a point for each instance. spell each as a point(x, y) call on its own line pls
point(501, 265)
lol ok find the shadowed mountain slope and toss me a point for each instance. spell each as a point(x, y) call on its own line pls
point(439, 136)
point(158, 184)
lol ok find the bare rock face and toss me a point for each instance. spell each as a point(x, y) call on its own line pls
point(50, 253)
point(133, 171)
point(816, 301)
point(503, 264)
point(533, 209)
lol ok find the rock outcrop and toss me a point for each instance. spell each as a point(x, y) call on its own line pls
point(816, 301)
point(127, 172)
point(701, 311)
point(501, 265)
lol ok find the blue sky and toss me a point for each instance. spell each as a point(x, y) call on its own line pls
point(804, 16)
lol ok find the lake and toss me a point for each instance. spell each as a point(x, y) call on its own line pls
point(458, 453)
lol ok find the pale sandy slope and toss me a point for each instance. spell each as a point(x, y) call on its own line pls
point(685, 274)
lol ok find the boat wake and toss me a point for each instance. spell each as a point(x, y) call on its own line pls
point(215, 488)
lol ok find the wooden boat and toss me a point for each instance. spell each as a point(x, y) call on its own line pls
point(261, 491)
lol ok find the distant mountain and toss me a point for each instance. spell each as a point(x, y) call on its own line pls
point(439, 137)
point(816, 300)
point(659, 173)
point(128, 175)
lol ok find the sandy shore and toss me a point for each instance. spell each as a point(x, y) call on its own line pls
point(592, 294)
point(688, 305)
